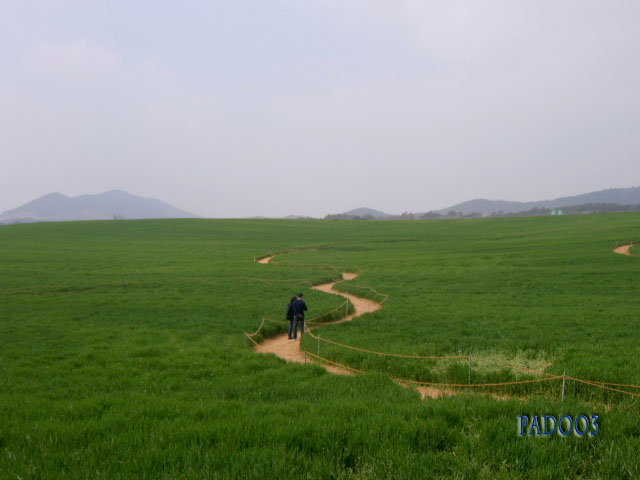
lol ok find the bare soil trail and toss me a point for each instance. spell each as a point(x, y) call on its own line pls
point(624, 249)
point(361, 305)
point(289, 350)
point(266, 260)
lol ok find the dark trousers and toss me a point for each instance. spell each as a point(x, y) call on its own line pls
point(291, 329)
point(293, 326)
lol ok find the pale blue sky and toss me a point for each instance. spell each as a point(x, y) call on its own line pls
point(313, 107)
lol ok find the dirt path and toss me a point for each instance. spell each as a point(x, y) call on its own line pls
point(624, 249)
point(289, 350)
point(361, 305)
point(266, 260)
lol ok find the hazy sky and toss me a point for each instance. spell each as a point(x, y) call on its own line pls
point(242, 108)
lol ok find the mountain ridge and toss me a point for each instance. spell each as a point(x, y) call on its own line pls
point(113, 204)
point(484, 207)
point(621, 196)
point(362, 213)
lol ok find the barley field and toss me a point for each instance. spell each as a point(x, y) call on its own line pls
point(123, 354)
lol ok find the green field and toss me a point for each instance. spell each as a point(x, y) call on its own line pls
point(122, 352)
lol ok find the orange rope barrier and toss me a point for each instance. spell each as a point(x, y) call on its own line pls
point(616, 384)
point(321, 324)
point(340, 307)
point(594, 384)
point(549, 377)
point(428, 357)
point(251, 338)
point(404, 380)
point(386, 297)
point(259, 328)
point(501, 384)
point(444, 385)
point(321, 267)
point(386, 354)
point(334, 363)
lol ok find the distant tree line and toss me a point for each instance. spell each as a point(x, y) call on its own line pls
point(534, 212)
point(346, 216)
point(403, 216)
point(574, 210)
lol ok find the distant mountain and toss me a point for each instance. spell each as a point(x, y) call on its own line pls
point(114, 204)
point(620, 196)
point(358, 214)
point(363, 212)
point(288, 217)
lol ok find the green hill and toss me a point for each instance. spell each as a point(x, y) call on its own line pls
point(122, 352)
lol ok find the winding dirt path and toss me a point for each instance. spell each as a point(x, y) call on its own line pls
point(361, 305)
point(289, 350)
point(624, 249)
point(266, 260)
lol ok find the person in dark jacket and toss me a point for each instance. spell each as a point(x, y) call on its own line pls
point(299, 307)
point(290, 316)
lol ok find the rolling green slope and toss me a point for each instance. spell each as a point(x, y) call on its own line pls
point(122, 352)
point(541, 293)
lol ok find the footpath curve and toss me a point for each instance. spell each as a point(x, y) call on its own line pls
point(290, 350)
point(624, 250)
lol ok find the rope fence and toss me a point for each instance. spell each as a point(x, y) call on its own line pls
point(384, 296)
point(547, 377)
point(331, 362)
point(386, 354)
point(315, 322)
point(601, 385)
point(466, 385)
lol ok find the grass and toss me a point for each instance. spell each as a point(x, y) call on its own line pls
point(122, 352)
point(530, 292)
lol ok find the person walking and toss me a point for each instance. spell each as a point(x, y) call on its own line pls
point(299, 307)
point(290, 317)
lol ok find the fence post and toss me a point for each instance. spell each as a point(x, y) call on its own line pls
point(564, 383)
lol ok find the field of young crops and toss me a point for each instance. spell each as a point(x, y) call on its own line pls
point(122, 352)
point(542, 294)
